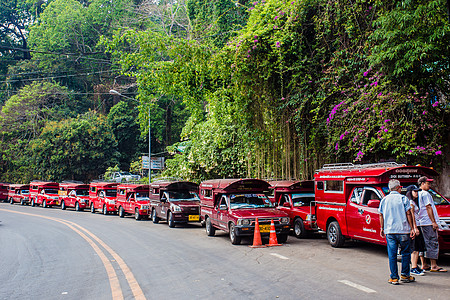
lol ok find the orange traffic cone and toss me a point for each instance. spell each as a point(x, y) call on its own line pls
point(273, 236)
point(257, 243)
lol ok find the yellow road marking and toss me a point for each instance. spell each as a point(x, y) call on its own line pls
point(112, 276)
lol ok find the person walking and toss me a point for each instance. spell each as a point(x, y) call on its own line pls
point(428, 220)
point(397, 227)
point(417, 244)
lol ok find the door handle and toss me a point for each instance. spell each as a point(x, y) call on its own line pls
point(360, 210)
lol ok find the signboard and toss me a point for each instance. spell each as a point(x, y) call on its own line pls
point(157, 163)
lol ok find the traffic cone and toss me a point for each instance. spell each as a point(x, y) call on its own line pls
point(273, 236)
point(257, 243)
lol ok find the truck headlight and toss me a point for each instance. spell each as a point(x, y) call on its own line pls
point(244, 222)
point(310, 217)
point(284, 220)
point(176, 208)
point(144, 206)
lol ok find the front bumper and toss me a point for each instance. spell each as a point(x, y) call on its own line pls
point(250, 230)
point(184, 218)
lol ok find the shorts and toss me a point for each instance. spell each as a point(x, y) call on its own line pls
point(430, 237)
point(418, 243)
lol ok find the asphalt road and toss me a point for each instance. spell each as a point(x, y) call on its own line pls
point(55, 254)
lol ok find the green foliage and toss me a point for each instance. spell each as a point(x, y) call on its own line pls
point(79, 149)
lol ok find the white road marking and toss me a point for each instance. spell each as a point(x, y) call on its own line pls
point(279, 256)
point(357, 286)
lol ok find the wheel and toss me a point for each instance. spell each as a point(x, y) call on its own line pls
point(63, 205)
point(44, 204)
point(235, 239)
point(282, 238)
point(33, 203)
point(155, 218)
point(92, 208)
point(299, 228)
point(104, 211)
point(334, 235)
point(137, 215)
point(170, 220)
point(121, 212)
point(210, 230)
point(77, 206)
point(11, 200)
point(22, 202)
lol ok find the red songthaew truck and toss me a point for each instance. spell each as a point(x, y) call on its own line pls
point(102, 196)
point(44, 193)
point(348, 197)
point(4, 192)
point(232, 205)
point(296, 199)
point(19, 193)
point(74, 194)
point(174, 201)
point(133, 199)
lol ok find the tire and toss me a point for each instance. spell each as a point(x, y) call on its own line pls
point(22, 202)
point(121, 212)
point(104, 210)
point(235, 240)
point(155, 218)
point(299, 228)
point(282, 238)
point(11, 200)
point(77, 206)
point(92, 208)
point(334, 235)
point(170, 220)
point(63, 205)
point(137, 215)
point(44, 204)
point(33, 204)
point(210, 230)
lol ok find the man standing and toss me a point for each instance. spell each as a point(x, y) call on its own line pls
point(397, 226)
point(427, 220)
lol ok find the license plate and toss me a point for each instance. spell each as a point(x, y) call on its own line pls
point(264, 228)
point(194, 218)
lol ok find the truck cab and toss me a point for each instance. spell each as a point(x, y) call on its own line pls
point(74, 194)
point(4, 192)
point(233, 205)
point(296, 199)
point(133, 199)
point(19, 193)
point(174, 201)
point(348, 197)
point(44, 193)
point(102, 196)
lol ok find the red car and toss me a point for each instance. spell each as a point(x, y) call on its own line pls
point(19, 193)
point(102, 197)
point(4, 192)
point(232, 205)
point(44, 193)
point(174, 201)
point(74, 194)
point(348, 197)
point(296, 199)
point(133, 199)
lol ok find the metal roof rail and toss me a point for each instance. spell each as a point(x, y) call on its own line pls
point(161, 179)
point(347, 166)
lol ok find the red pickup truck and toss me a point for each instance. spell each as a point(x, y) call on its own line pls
point(133, 199)
point(4, 192)
point(102, 196)
point(174, 201)
point(348, 197)
point(232, 205)
point(19, 193)
point(44, 193)
point(74, 194)
point(296, 199)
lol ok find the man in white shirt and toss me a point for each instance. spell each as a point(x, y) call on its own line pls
point(428, 221)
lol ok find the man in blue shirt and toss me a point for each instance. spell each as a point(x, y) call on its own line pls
point(397, 226)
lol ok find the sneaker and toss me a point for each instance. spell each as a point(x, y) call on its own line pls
point(393, 281)
point(417, 271)
point(409, 278)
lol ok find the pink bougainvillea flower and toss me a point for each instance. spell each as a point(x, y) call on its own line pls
point(439, 152)
point(276, 17)
point(380, 94)
point(424, 112)
point(435, 104)
point(278, 44)
point(365, 73)
point(387, 120)
point(337, 146)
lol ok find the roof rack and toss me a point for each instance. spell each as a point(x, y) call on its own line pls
point(346, 166)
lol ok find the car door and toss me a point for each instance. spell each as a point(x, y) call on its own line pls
point(285, 204)
point(221, 213)
point(163, 206)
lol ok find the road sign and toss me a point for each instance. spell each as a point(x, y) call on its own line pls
point(157, 163)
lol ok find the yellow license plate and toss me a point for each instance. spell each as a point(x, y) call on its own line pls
point(264, 228)
point(194, 217)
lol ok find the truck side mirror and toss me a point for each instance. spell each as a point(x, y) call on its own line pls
point(373, 203)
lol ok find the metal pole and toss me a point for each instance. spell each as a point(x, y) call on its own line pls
point(149, 149)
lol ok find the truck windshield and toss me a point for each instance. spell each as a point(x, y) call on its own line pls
point(24, 192)
point(82, 192)
point(183, 196)
point(142, 196)
point(304, 199)
point(50, 191)
point(238, 201)
point(110, 193)
point(437, 198)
